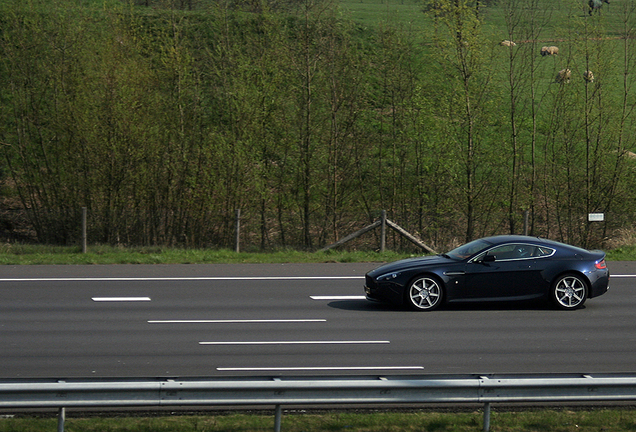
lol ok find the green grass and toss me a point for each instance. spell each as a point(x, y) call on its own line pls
point(607, 420)
point(625, 253)
point(371, 13)
point(19, 254)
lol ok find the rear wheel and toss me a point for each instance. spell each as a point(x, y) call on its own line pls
point(424, 294)
point(569, 291)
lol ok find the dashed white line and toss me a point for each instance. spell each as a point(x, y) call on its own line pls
point(121, 299)
point(235, 321)
point(353, 342)
point(337, 297)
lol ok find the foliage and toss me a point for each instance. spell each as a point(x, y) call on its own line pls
point(163, 118)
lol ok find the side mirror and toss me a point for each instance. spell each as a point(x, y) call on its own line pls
point(489, 259)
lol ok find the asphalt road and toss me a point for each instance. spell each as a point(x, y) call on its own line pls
point(294, 319)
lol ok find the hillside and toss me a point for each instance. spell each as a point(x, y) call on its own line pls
point(165, 118)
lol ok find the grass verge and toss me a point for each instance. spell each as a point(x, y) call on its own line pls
point(17, 254)
point(608, 420)
point(20, 254)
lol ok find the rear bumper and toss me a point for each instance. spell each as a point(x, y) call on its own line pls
point(599, 283)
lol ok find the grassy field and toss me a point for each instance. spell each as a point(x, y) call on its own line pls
point(606, 420)
point(371, 13)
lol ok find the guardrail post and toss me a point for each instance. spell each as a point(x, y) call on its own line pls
point(61, 417)
point(277, 418)
point(487, 417)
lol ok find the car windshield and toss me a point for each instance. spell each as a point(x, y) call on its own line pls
point(468, 250)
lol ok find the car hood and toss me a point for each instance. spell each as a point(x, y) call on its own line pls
point(409, 263)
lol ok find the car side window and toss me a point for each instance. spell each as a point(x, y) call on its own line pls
point(525, 251)
point(513, 251)
point(543, 251)
point(501, 252)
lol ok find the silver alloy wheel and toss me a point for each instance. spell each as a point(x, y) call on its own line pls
point(425, 293)
point(569, 292)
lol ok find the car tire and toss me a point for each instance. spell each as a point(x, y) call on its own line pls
point(424, 293)
point(569, 291)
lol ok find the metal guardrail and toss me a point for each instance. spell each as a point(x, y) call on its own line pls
point(300, 390)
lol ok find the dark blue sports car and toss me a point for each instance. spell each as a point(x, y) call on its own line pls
point(493, 269)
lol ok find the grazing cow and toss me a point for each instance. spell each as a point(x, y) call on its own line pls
point(596, 5)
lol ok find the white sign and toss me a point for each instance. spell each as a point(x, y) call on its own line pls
point(596, 217)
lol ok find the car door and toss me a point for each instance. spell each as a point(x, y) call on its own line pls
point(501, 273)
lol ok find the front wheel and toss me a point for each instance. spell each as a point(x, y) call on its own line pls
point(569, 291)
point(424, 294)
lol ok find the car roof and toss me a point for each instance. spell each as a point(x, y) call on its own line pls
point(502, 239)
point(512, 239)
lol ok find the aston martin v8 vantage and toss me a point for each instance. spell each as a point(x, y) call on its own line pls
point(500, 268)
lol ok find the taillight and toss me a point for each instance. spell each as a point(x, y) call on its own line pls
point(600, 264)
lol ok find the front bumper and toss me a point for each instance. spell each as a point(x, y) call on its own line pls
point(385, 292)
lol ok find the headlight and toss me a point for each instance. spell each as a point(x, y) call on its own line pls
point(388, 276)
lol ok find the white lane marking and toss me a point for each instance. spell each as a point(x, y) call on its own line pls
point(318, 368)
point(337, 297)
point(197, 278)
point(235, 321)
point(622, 276)
point(120, 299)
point(354, 342)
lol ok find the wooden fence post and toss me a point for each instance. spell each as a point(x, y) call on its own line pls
point(84, 236)
point(383, 232)
point(237, 231)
